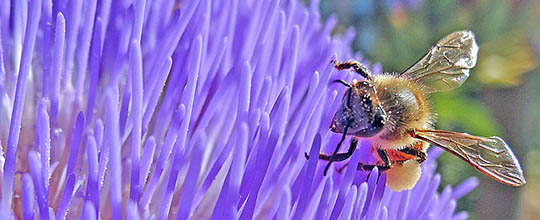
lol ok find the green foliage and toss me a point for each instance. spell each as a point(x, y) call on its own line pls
point(457, 112)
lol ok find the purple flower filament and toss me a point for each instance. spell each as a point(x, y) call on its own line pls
point(192, 109)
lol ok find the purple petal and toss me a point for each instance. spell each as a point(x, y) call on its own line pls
point(360, 200)
point(225, 205)
point(464, 188)
point(284, 205)
point(37, 178)
point(325, 199)
point(132, 212)
point(84, 45)
point(57, 61)
point(146, 159)
point(43, 136)
point(92, 190)
point(112, 136)
point(136, 116)
point(95, 61)
point(73, 21)
point(66, 198)
point(349, 202)
point(188, 189)
point(166, 149)
point(76, 140)
point(308, 178)
point(89, 211)
point(460, 216)
point(27, 197)
point(15, 125)
point(345, 185)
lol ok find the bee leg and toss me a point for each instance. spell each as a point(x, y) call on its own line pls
point(357, 66)
point(386, 160)
point(421, 156)
point(340, 156)
point(384, 157)
point(369, 167)
point(331, 159)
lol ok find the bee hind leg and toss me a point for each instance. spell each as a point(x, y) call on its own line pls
point(421, 156)
point(368, 167)
point(384, 157)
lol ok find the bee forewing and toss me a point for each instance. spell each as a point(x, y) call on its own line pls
point(446, 65)
point(491, 156)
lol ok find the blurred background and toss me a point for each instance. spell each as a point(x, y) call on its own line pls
point(501, 97)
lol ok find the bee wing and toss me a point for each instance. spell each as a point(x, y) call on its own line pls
point(491, 155)
point(446, 65)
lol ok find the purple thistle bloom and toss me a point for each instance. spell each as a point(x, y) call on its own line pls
point(194, 109)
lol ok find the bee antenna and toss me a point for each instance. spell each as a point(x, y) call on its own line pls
point(342, 82)
point(337, 149)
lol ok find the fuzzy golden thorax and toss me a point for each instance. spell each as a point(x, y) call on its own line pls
point(407, 108)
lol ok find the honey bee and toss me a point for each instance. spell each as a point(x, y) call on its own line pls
point(393, 113)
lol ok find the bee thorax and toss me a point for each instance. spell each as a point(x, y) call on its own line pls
point(406, 107)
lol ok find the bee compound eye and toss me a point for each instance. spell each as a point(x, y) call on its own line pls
point(372, 125)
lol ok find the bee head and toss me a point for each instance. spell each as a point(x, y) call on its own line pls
point(360, 113)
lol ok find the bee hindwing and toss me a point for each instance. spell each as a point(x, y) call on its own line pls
point(490, 155)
